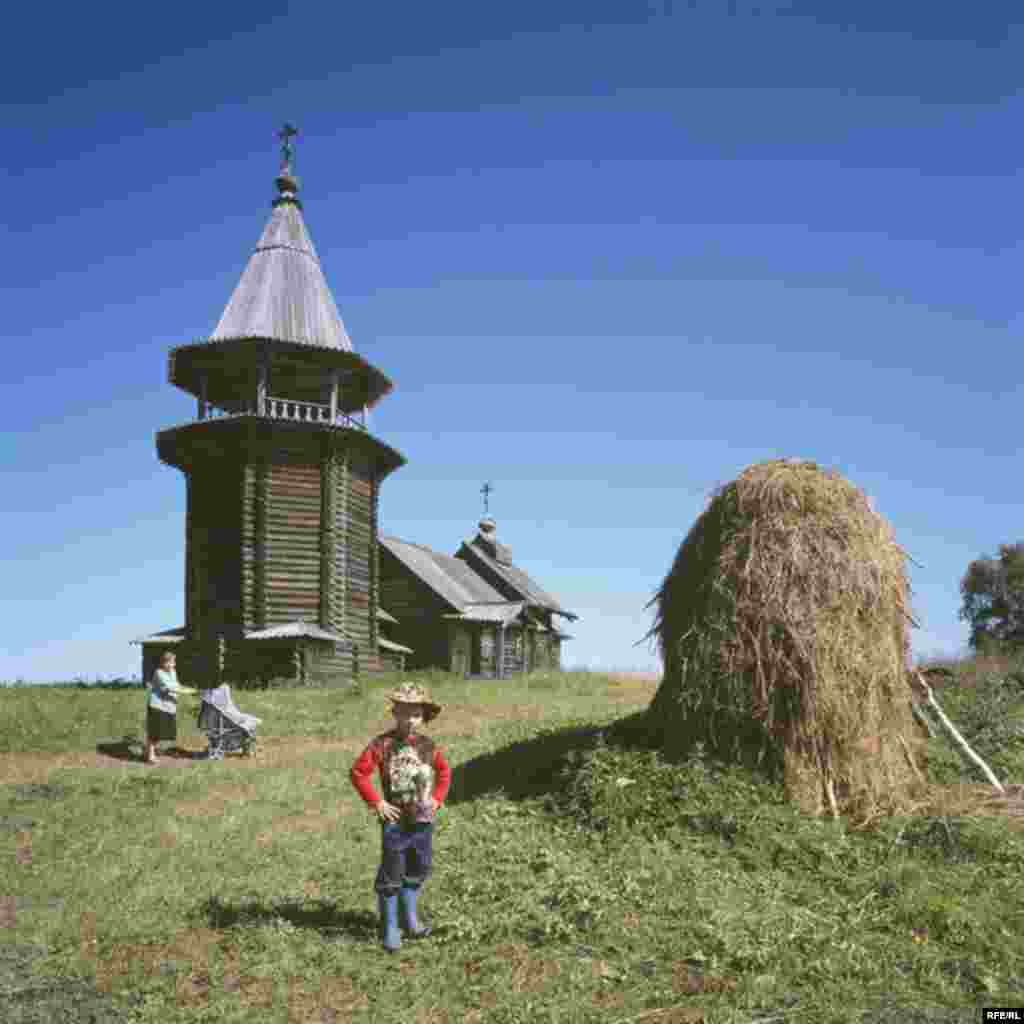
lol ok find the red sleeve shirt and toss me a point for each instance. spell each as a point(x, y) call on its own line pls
point(376, 755)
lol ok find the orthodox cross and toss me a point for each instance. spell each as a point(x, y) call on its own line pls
point(485, 491)
point(286, 134)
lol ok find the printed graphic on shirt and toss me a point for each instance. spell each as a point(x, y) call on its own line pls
point(411, 779)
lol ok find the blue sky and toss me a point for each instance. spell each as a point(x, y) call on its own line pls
point(610, 254)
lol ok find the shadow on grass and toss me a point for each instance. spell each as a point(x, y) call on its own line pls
point(534, 767)
point(129, 748)
point(323, 916)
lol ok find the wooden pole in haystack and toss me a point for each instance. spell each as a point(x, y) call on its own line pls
point(954, 734)
point(923, 719)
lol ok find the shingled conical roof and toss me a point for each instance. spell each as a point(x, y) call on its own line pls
point(283, 294)
point(282, 319)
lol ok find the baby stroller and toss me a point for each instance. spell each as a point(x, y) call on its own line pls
point(226, 727)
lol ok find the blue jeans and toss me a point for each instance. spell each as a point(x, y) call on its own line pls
point(407, 856)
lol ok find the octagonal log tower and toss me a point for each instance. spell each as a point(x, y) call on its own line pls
point(282, 477)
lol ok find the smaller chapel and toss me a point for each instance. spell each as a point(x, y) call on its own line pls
point(474, 613)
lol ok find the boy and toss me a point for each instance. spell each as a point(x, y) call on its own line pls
point(409, 765)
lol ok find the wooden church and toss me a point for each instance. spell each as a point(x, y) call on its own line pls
point(285, 573)
point(475, 613)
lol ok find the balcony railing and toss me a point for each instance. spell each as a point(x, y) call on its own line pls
point(285, 409)
point(304, 412)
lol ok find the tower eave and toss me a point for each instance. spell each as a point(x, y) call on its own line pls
point(188, 362)
point(187, 444)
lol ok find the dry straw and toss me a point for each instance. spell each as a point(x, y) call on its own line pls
point(784, 632)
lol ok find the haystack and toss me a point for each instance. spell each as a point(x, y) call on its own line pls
point(784, 633)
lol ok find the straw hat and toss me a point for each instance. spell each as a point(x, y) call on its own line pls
point(411, 693)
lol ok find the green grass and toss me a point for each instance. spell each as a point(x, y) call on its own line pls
point(578, 875)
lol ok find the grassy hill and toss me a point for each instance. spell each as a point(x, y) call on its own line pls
point(578, 875)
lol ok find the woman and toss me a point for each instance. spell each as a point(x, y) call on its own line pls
point(162, 706)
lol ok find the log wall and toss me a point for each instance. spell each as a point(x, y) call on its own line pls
point(308, 536)
point(254, 491)
point(392, 661)
point(213, 551)
point(328, 535)
point(418, 610)
point(338, 582)
point(538, 649)
point(291, 555)
point(374, 554)
point(359, 534)
point(197, 663)
point(190, 611)
point(460, 641)
point(282, 525)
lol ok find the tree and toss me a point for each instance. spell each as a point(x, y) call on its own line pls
point(993, 601)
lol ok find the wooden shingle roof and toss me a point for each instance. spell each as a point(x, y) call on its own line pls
point(450, 578)
point(298, 628)
point(166, 636)
point(516, 579)
point(283, 294)
point(390, 645)
point(282, 303)
point(505, 612)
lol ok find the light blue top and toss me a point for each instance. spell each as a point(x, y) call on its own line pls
point(163, 691)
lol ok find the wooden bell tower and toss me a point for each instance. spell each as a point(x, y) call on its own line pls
point(282, 475)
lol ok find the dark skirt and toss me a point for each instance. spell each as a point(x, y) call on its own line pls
point(161, 725)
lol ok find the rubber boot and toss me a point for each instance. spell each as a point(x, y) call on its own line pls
point(413, 928)
point(388, 906)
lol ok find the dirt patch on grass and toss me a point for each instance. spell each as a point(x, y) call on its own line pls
point(612, 1000)
point(973, 800)
point(457, 722)
point(690, 979)
point(336, 998)
point(635, 678)
point(277, 752)
point(516, 965)
point(186, 955)
point(194, 958)
point(314, 822)
point(217, 801)
point(204, 966)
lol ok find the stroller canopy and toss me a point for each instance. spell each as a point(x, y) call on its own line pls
point(220, 698)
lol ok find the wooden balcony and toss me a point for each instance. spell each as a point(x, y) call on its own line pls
point(284, 409)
